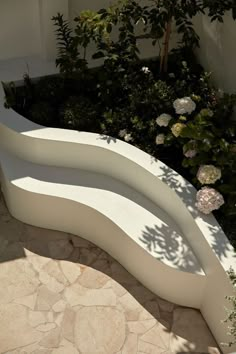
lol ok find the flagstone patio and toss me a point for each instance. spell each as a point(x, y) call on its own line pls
point(60, 294)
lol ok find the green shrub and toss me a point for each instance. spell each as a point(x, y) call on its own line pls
point(42, 113)
point(231, 313)
point(50, 88)
point(79, 113)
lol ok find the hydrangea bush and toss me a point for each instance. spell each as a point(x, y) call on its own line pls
point(207, 137)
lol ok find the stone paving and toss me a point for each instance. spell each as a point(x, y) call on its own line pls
point(60, 294)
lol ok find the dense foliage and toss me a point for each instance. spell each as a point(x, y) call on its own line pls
point(231, 313)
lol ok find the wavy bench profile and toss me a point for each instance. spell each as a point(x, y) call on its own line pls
point(134, 207)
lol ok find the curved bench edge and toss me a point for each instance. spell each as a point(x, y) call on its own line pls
point(160, 278)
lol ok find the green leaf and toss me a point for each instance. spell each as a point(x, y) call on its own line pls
point(98, 55)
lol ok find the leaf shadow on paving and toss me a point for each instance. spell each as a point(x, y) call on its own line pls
point(55, 274)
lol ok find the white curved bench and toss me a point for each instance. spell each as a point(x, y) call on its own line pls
point(121, 199)
point(112, 215)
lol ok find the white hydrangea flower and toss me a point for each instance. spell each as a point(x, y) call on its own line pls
point(208, 174)
point(128, 137)
point(177, 129)
point(208, 199)
point(190, 149)
point(160, 139)
point(145, 70)
point(190, 153)
point(163, 120)
point(122, 133)
point(184, 105)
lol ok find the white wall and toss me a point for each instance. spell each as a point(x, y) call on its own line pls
point(146, 48)
point(218, 50)
point(26, 29)
point(19, 28)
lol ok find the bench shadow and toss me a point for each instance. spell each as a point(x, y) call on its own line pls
point(19, 241)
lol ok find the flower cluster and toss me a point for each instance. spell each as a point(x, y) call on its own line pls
point(122, 133)
point(208, 199)
point(208, 174)
point(177, 129)
point(184, 105)
point(190, 153)
point(145, 70)
point(125, 135)
point(160, 139)
point(128, 137)
point(163, 120)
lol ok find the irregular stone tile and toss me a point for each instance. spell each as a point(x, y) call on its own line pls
point(28, 301)
point(53, 269)
point(37, 246)
point(140, 327)
point(51, 283)
point(70, 270)
point(46, 327)
point(35, 318)
point(147, 348)
point(165, 333)
point(3, 245)
point(44, 235)
point(50, 316)
point(38, 262)
point(29, 349)
point(28, 253)
point(118, 289)
point(151, 309)
point(59, 306)
point(86, 256)
point(93, 279)
point(141, 293)
point(99, 329)
point(17, 280)
point(105, 256)
point(121, 275)
point(12, 229)
point(67, 328)
point(153, 336)
point(131, 344)
point(65, 347)
point(46, 299)
point(165, 306)
point(143, 314)
point(12, 252)
point(74, 257)
point(77, 308)
point(190, 332)
point(60, 249)
point(166, 318)
point(58, 318)
point(52, 339)
point(101, 265)
point(78, 295)
point(15, 330)
point(80, 242)
point(131, 306)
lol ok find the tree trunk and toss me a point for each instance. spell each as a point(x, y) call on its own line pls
point(165, 48)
